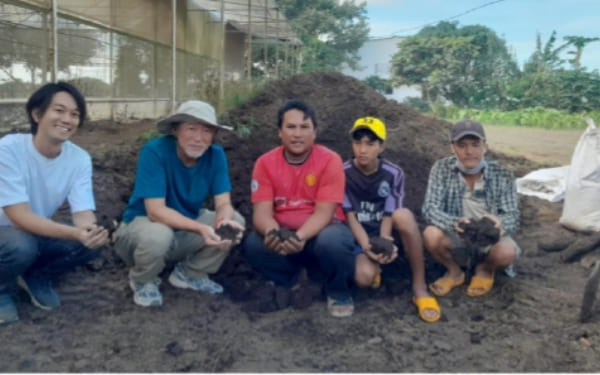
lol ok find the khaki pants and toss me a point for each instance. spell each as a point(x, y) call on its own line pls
point(147, 246)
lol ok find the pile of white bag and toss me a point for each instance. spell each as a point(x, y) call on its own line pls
point(548, 183)
point(578, 184)
point(581, 210)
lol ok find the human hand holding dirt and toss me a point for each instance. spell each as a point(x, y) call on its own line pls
point(497, 222)
point(284, 241)
point(211, 238)
point(230, 230)
point(480, 233)
point(93, 236)
point(271, 239)
point(460, 223)
point(382, 250)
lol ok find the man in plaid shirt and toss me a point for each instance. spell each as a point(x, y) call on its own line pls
point(465, 186)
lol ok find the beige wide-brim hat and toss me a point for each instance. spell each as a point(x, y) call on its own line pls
point(193, 111)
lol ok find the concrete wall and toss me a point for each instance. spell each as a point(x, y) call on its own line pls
point(235, 48)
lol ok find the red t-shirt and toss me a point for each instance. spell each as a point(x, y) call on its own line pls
point(295, 189)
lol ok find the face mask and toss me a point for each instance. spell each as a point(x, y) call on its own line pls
point(482, 164)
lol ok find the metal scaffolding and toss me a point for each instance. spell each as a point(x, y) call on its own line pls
point(131, 51)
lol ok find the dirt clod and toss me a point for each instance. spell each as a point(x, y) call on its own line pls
point(227, 232)
point(284, 234)
point(480, 233)
point(381, 245)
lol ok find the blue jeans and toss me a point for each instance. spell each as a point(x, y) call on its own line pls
point(330, 253)
point(22, 253)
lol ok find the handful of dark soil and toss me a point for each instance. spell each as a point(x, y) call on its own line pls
point(227, 232)
point(283, 234)
point(480, 233)
point(380, 245)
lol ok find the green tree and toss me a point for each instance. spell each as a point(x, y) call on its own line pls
point(382, 86)
point(546, 57)
point(436, 64)
point(468, 66)
point(578, 42)
point(546, 83)
point(331, 32)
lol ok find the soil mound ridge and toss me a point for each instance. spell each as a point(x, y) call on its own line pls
point(414, 141)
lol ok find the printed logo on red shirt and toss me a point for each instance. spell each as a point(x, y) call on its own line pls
point(310, 179)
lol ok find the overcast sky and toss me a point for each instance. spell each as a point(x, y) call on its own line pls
point(517, 21)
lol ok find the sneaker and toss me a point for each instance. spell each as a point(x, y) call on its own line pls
point(179, 280)
point(8, 310)
point(146, 294)
point(340, 307)
point(40, 291)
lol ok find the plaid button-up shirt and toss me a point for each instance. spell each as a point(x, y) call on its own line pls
point(446, 188)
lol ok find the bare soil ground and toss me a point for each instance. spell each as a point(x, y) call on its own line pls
point(544, 146)
point(526, 324)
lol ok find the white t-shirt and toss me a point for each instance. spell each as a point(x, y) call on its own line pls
point(28, 176)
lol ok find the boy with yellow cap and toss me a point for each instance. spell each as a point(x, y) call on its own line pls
point(373, 204)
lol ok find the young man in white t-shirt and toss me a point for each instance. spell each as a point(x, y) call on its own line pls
point(38, 172)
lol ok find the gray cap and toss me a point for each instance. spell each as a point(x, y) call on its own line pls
point(466, 127)
point(191, 111)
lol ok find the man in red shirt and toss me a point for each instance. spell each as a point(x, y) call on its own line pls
point(300, 186)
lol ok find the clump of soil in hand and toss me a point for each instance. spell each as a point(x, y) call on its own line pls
point(108, 223)
point(380, 245)
point(227, 232)
point(283, 234)
point(480, 233)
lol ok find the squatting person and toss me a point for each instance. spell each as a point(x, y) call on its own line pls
point(38, 172)
point(373, 205)
point(462, 187)
point(300, 186)
point(164, 221)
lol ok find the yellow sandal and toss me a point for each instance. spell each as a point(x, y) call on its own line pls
point(427, 303)
point(445, 284)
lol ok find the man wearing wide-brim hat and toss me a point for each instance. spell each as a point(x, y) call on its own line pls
point(165, 220)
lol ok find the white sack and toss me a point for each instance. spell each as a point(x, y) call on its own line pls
point(581, 210)
point(548, 183)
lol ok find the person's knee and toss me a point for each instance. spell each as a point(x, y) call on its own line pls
point(502, 254)
point(335, 238)
point(433, 239)
point(21, 251)
point(154, 240)
point(365, 271)
point(403, 219)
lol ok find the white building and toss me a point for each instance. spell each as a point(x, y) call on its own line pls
point(375, 59)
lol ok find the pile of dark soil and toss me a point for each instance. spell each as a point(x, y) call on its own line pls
point(414, 141)
point(529, 323)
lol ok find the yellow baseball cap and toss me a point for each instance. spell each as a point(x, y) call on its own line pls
point(372, 123)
